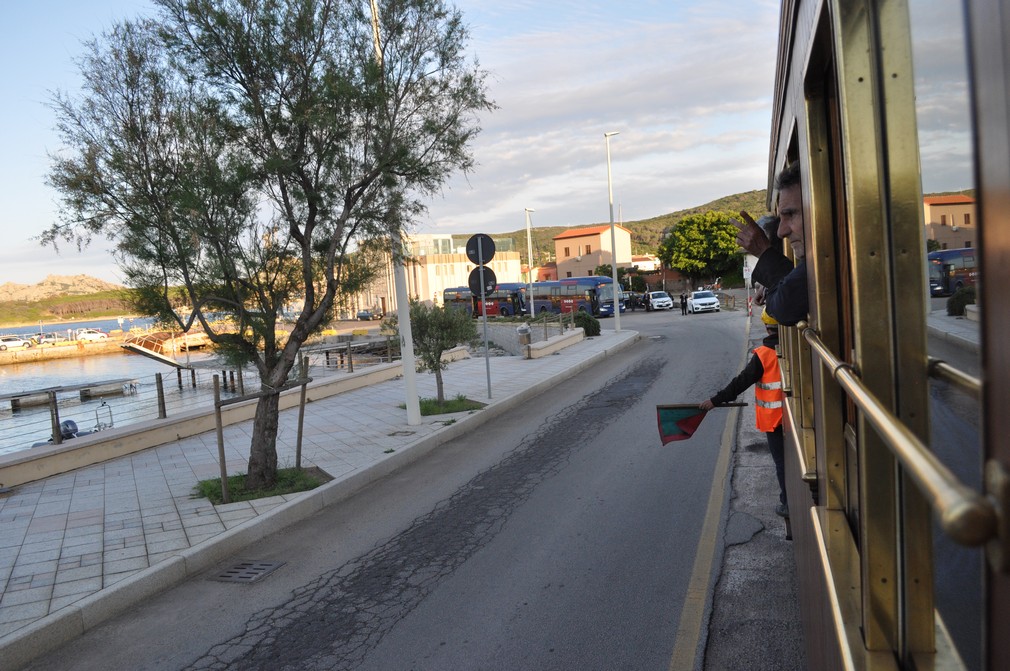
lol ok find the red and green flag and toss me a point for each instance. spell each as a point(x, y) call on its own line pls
point(679, 421)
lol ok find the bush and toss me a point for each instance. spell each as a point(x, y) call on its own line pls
point(962, 297)
point(588, 323)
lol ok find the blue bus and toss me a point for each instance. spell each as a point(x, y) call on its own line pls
point(507, 300)
point(951, 269)
point(593, 294)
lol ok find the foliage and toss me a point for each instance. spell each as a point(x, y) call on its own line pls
point(289, 481)
point(243, 151)
point(959, 299)
point(588, 323)
point(432, 406)
point(435, 329)
point(932, 246)
point(702, 245)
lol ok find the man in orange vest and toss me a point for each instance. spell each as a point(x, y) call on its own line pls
point(763, 372)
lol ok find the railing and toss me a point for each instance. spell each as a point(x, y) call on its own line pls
point(965, 515)
point(28, 422)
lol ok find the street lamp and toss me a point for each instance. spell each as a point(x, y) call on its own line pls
point(613, 239)
point(529, 256)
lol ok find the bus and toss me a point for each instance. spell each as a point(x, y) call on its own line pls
point(507, 300)
point(460, 298)
point(951, 269)
point(897, 456)
point(592, 294)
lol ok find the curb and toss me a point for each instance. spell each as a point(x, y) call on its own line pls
point(954, 339)
point(50, 632)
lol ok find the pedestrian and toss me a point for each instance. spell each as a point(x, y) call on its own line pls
point(762, 372)
point(683, 303)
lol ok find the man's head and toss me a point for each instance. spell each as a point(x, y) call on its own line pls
point(790, 208)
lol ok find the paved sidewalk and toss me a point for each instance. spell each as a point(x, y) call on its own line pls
point(79, 547)
point(959, 331)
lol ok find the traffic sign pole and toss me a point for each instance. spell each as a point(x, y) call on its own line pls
point(480, 249)
point(483, 310)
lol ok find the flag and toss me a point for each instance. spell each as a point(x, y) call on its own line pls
point(680, 421)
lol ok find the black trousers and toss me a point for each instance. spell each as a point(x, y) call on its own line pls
point(776, 445)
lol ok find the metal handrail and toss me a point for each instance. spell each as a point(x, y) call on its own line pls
point(942, 370)
point(965, 515)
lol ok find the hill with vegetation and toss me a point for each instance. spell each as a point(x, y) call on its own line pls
point(60, 298)
point(645, 233)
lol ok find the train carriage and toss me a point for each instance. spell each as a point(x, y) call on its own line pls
point(879, 509)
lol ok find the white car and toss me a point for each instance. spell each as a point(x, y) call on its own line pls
point(13, 342)
point(658, 300)
point(91, 334)
point(702, 301)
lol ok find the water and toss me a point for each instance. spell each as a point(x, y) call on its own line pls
point(137, 402)
point(133, 402)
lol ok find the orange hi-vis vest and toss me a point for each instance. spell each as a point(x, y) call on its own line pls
point(768, 391)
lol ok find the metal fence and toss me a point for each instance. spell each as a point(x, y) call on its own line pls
point(30, 419)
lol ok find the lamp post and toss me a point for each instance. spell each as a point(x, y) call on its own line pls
point(529, 255)
point(413, 403)
point(613, 239)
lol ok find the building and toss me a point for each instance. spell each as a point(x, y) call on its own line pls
point(645, 263)
point(951, 220)
point(433, 265)
point(579, 251)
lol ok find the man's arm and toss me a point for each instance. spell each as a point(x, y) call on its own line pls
point(787, 300)
point(771, 268)
point(738, 385)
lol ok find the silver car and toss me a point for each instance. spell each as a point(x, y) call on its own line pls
point(702, 301)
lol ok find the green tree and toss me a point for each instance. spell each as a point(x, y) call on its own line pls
point(436, 329)
point(932, 246)
point(702, 245)
point(241, 150)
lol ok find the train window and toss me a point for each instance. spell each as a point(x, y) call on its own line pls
point(943, 118)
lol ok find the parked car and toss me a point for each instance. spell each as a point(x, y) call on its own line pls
point(49, 338)
point(91, 334)
point(368, 315)
point(13, 342)
point(634, 300)
point(658, 300)
point(702, 301)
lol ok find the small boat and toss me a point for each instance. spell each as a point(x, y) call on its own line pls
point(69, 428)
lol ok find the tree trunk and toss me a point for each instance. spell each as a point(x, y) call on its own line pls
point(262, 471)
point(438, 385)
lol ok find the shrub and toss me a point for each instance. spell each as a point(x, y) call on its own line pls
point(962, 297)
point(588, 323)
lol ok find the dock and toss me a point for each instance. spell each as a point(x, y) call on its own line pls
point(86, 391)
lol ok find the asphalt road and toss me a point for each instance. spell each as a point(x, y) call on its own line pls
point(562, 536)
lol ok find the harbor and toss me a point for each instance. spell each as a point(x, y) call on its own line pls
point(42, 386)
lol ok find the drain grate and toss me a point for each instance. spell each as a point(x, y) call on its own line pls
point(248, 571)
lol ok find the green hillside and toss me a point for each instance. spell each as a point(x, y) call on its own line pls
point(645, 234)
point(64, 308)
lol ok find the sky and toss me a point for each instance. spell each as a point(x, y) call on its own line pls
point(687, 84)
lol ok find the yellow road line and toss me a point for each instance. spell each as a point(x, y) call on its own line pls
point(685, 649)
